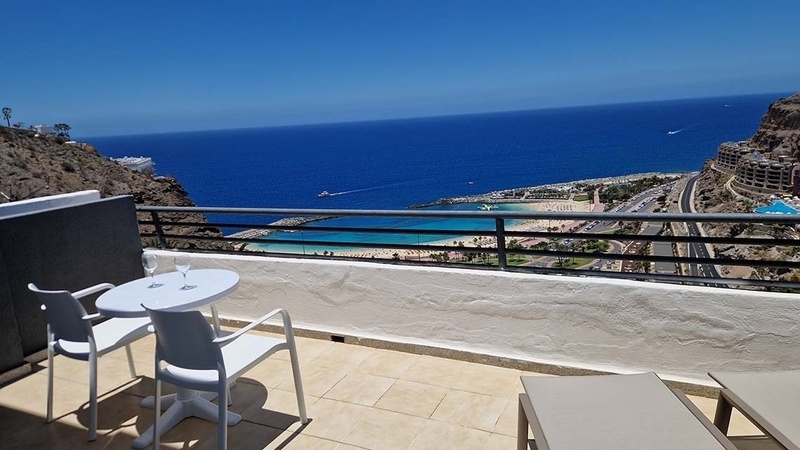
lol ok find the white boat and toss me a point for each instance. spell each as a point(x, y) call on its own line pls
point(324, 194)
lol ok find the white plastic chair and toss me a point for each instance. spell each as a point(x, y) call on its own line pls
point(70, 332)
point(197, 359)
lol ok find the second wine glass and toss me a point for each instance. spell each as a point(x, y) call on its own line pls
point(150, 262)
point(182, 265)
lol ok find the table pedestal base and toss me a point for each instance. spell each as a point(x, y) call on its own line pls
point(186, 403)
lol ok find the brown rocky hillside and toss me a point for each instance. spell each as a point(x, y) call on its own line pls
point(39, 166)
point(780, 128)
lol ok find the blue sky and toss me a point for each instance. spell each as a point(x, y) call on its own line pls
point(134, 67)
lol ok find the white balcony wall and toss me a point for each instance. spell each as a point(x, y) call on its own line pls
point(681, 332)
point(52, 201)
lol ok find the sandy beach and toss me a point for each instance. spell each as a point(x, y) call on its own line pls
point(528, 225)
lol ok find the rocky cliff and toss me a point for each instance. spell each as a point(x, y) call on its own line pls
point(33, 166)
point(778, 134)
point(780, 128)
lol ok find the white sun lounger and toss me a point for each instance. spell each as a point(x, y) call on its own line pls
point(612, 412)
point(771, 400)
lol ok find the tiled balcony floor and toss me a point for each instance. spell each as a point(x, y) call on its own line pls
point(358, 397)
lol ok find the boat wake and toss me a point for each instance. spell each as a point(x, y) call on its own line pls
point(681, 130)
point(374, 188)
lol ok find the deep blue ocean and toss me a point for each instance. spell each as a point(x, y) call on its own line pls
point(392, 164)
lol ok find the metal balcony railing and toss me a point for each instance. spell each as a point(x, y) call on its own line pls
point(490, 246)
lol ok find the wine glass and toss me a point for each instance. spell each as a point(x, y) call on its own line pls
point(182, 265)
point(150, 262)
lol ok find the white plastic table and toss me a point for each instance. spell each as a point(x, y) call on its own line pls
point(126, 301)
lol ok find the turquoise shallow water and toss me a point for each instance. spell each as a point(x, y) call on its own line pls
point(386, 222)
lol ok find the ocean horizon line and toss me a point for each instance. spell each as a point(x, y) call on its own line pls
point(436, 116)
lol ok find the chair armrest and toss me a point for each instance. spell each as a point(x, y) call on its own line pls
point(227, 339)
point(92, 290)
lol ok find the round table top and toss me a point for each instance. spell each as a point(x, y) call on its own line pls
point(126, 300)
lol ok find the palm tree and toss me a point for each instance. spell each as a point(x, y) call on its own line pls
point(7, 115)
point(62, 129)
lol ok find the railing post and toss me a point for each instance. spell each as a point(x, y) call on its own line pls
point(501, 242)
point(162, 241)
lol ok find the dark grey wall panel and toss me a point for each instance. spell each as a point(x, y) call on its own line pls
point(67, 248)
point(11, 355)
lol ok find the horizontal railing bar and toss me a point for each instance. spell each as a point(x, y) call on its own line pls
point(655, 238)
point(540, 215)
point(300, 242)
point(529, 234)
point(331, 229)
point(493, 250)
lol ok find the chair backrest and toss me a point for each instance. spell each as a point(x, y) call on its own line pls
point(64, 315)
point(185, 339)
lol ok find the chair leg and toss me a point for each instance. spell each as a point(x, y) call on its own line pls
point(49, 379)
point(131, 366)
point(222, 420)
point(298, 382)
point(92, 396)
point(157, 414)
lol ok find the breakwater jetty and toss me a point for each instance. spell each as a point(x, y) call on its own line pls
point(285, 223)
point(529, 194)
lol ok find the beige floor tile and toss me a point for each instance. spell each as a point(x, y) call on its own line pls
point(275, 408)
point(488, 380)
point(739, 425)
point(471, 410)
point(387, 363)
point(440, 435)
point(435, 371)
point(271, 372)
point(347, 447)
point(242, 436)
point(501, 442)
point(26, 429)
point(145, 387)
point(360, 388)
point(307, 349)
point(111, 372)
point(412, 398)
point(507, 422)
point(29, 395)
point(317, 380)
point(291, 440)
point(143, 350)
point(342, 356)
point(332, 419)
point(385, 430)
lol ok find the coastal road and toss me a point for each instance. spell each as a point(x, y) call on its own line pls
point(696, 250)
